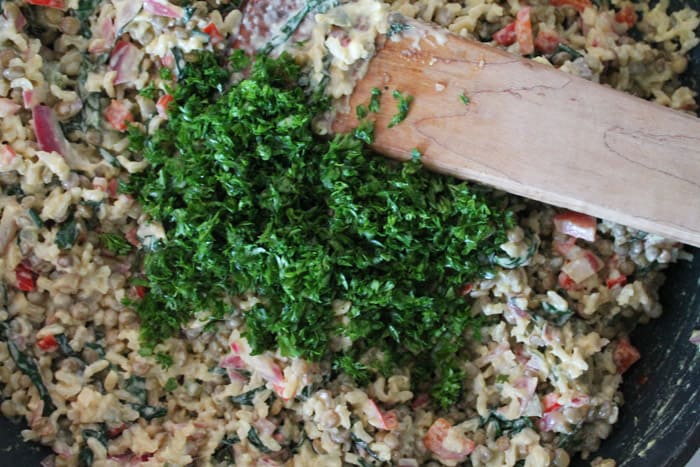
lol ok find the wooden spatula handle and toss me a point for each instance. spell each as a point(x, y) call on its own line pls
point(537, 132)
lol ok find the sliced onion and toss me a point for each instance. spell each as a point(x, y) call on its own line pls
point(48, 132)
point(126, 11)
point(125, 60)
point(163, 8)
point(8, 107)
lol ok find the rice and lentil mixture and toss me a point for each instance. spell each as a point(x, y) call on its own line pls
point(540, 384)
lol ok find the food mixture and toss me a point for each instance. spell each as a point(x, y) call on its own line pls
point(193, 275)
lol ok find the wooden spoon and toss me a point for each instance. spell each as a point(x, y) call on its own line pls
point(532, 130)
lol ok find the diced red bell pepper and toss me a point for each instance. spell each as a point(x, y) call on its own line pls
point(163, 8)
point(132, 238)
point(566, 282)
point(457, 449)
point(505, 35)
point(116, 431)
point(213, 33)
point(466, 288)
point(549, 402)
point(26, 280)
point(140, 291)
point(626, 15)
point(60, 4)
point(616, 280)
point(112, 187)
point(117, 114)
point(579, 5)
point(7, 155)
point(624, 355)
point(546, 41)
point(523, 31)
point(47, 343)
point(163, 103)
point(576, 224)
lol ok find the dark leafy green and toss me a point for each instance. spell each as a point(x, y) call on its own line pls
point(67, 234)
point(362, 447)
point(85, 9)
point(224, 451)
point(35, 217)
point(254, 439)
point(28, 366)
point(136, 386)
point(554, 315)
point(65, 347)
point(247, 397)
point(507, 427)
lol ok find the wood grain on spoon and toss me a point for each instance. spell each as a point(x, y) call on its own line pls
point(528, 128)
point(532, 130)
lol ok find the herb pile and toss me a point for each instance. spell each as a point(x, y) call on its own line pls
point(252, 200)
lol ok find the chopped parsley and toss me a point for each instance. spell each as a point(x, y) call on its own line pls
point(396, 28)
point(170, 385)
point(253, 200)
point(403, 105)
point(115, 243)
point(375, 95)
point(149, 91)
point(465, 100)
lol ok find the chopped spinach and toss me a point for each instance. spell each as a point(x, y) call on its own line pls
point(97, 348)
point(93, 221)
point(136, 386)
point(555, 316)
point(247, 397)
point(224, 451)
point(561, 47)
point(67, 233)
point(86, 456)
point(35, 217)
point(511, 263)
point(149, 412)
point(28, 366)
point(505, 426)
point(65, 347)
point(86, 8)
point(254, 439)
point(100, 435)
point(362, 445)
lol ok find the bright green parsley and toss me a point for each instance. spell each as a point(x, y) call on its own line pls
point(115, 243)
point(465, 100)
point(253, 200)
point(375, 95)
point(403, 105)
